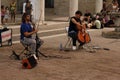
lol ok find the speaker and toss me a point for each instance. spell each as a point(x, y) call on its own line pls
point(29, 63)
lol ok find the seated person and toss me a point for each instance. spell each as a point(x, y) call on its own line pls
point(96, 24)
point(87, 23)
point(74, 26)
point(27, 31)
point(115, 6)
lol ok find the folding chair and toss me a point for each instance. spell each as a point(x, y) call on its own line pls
point(24, 53)
point(69, 39)
point(26, 50)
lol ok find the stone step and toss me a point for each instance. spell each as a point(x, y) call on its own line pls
point(44, 30)
point(111, 34)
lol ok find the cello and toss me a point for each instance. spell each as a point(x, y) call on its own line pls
point(83, 36)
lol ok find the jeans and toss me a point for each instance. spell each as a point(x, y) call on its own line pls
point(31, 42)
point(73, 35)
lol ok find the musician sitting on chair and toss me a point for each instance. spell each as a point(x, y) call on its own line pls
point(74, 27)
point(27, 31)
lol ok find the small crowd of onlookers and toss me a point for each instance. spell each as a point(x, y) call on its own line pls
point(97, 21)
point(91, 21)
point(104, 18)
point(8, 12)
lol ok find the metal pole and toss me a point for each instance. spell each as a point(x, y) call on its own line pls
point(0, 12)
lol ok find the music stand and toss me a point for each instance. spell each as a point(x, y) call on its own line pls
point(39, 42)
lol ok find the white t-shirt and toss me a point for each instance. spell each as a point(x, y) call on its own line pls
point(97, 24)
point(24, 7)
point(24, 4)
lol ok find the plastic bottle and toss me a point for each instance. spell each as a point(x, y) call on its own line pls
point(61, 47)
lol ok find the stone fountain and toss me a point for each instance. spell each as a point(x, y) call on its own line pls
point(116, 32)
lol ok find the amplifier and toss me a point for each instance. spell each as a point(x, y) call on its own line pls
point(5, 36)
point(29, 63)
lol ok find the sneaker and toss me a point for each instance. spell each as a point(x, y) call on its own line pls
point(35, 56)
point(74, 47)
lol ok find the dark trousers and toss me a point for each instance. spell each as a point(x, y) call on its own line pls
point(74, 37)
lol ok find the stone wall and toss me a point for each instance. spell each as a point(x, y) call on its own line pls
point(61, 7)
point(7, 3)
point(87, 5)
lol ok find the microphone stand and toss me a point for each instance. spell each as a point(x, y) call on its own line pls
point(39, 42)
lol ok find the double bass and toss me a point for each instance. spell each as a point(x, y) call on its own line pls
point(83, 36)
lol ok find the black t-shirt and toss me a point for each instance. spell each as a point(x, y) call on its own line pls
point(72, 26)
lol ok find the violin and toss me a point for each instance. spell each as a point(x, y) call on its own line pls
point(83, 36)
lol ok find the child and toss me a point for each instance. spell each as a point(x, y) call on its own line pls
point(6, 14)
point(2, 14)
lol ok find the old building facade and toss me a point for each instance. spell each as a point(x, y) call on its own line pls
point(61, 7)
point(58, 6)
